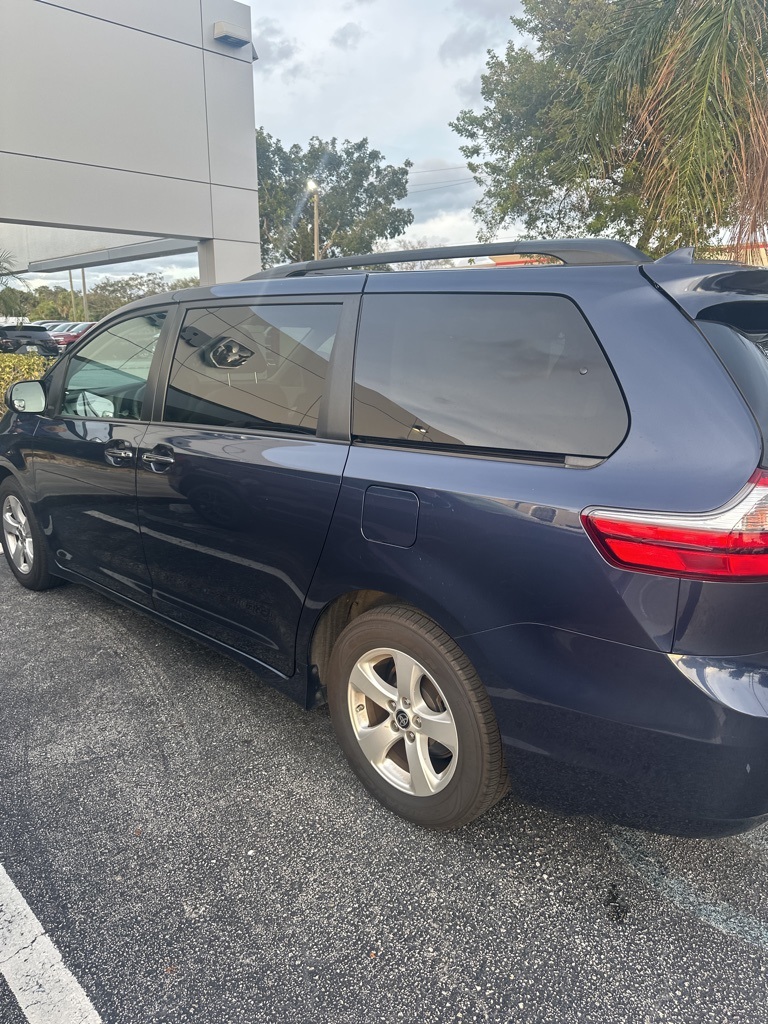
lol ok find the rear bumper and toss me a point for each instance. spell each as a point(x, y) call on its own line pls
point(671, 743)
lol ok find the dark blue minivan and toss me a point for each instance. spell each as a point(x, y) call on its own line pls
point(511, 523)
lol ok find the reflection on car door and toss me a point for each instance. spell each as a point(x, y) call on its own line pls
point(85, 457)
point(235, 489)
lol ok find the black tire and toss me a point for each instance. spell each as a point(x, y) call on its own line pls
point(439, 785)
point(32, 567)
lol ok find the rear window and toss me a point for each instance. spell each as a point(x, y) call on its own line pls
point(505, 373)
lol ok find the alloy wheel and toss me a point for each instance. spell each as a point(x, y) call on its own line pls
point(18, 535)
point(402, 722)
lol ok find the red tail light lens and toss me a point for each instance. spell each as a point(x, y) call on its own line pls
point(731, 543)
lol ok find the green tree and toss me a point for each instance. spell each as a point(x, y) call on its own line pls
point(112, 292)
point(12, 302)
point(48, 303)
point(11, 299)
point(357, 196)
point(685, 84)
point(520, 147)
point(190, 281)
point(617, 118)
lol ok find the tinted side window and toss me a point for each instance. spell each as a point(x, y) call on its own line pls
point(505, 372)
point(107, 376)
point(262, 367)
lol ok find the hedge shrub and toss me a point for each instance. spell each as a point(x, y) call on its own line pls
point(15, 367)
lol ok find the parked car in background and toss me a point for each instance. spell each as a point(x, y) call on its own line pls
point(24, 338)
point(512, 524)
point(49, 325)
point(68, 333)
point(61, 328)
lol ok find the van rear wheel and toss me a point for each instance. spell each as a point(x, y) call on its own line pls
point(414, 720)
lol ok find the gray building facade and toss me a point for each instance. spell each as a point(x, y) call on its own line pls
point(127, 129)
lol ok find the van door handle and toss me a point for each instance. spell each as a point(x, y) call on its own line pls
point(159, 459)
point(115, 454)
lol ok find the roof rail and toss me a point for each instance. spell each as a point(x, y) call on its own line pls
point(572, 251)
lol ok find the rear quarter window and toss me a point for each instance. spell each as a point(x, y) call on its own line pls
point(741, 343)
point(505, 373)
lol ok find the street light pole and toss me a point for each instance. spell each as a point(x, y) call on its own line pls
point(314, 187)
point(317, 227)
point(85, 294)
point(72, 295)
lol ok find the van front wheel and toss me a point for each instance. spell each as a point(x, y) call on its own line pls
point(414, 720)
point(22, 540)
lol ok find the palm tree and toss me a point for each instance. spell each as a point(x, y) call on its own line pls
point(6, 267)
point(681, 86)
point(9, 297)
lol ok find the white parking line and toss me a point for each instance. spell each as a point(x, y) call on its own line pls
point(46, 991)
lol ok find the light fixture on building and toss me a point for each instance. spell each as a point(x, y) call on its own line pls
point(229, 34)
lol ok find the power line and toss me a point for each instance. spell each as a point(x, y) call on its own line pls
point(435, 170)
point(433, 188)
point(445, 181)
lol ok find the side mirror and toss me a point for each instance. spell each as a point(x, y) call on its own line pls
point(26, 396)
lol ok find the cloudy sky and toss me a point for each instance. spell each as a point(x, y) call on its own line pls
point(394, 71)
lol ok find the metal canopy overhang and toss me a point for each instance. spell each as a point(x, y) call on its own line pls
point(120, 254)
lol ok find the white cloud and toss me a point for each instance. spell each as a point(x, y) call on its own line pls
point(274, 47)
point(470, 91)
point(347, 37)
point(454, 227)
point(490, 10)
point(448, 191)
point(465, 41)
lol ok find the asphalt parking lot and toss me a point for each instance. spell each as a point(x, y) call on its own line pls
point(196, 849)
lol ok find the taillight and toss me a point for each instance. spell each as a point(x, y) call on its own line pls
point(731, 543)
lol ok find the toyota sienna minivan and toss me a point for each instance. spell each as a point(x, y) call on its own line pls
point(511, 524)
